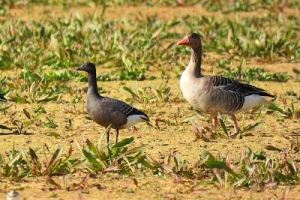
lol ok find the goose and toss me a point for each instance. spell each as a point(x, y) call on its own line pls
point(107, 111)
point(216, 94)
point(2, 98)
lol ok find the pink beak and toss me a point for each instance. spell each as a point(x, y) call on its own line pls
point(184, 41)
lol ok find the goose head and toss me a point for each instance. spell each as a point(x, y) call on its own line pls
point(88, 67)
point(192, 40)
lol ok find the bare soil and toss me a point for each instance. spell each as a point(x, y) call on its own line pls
point(172, 136)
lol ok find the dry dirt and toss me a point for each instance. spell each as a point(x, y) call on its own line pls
point(179, 137)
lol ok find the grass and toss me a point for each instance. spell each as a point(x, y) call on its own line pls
point(242, 37)
point(242, 5)
point(251, 74)
point(253, 169)
point(118, 49)
point(43, 55)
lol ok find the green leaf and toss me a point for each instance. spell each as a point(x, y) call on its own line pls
point(252, 127)
point(153, 162)
point(272, 148)
point(55, 156)
point(10, 40)
point(91, 146)
point(92, 159)
point(134, 150)
point(15, 159)
point(147, 164)
point(215, 164)
point(123, 142)
point(223, 127)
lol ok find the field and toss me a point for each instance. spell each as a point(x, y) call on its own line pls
point(51, 149)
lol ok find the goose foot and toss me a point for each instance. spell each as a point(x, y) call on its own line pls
point(236, 127)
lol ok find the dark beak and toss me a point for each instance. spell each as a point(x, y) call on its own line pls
point(80, 68)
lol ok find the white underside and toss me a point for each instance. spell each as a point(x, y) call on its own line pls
point(253, 101)
point(190, 89)
point(133, 119)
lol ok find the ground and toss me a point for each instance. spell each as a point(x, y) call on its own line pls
point(171, 136)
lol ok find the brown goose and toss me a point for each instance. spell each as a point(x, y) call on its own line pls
point(107, 111)
point(216, 94)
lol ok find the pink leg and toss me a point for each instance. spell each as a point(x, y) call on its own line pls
point(236, 127)
point(214, 121)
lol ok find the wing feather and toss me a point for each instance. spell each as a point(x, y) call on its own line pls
point(235, 86)
point(124, 108)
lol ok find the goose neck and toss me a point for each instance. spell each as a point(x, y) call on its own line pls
point(92, 84)
point(195, 62)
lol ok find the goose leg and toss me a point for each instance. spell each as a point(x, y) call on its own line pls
point(108, 136)
point(215, 121)
point(117, 135)
point(236, 127)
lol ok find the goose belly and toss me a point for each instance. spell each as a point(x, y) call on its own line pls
point(193, 94)
point(195, 100)
point(205, 102)
point(204, 98)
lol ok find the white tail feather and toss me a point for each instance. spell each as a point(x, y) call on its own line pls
point(133, 119)
point(252, 101)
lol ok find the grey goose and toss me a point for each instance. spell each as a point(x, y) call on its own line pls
point(216, 94)
point(107, 111)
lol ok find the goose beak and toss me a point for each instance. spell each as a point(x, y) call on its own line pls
point(79, 68)
point(184, 41)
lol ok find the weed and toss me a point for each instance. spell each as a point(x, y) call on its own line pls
point(297, 72)
point(252, 74)
point(53, 195)
point(295, 145)
point(150, 94)
point(40, 110)
point(292, 112)
point(117, 158)
point(50, 123)
point(34, 89)
point(252, 170)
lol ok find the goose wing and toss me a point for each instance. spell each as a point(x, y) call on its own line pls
point(124, 108)
point(231, 85)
